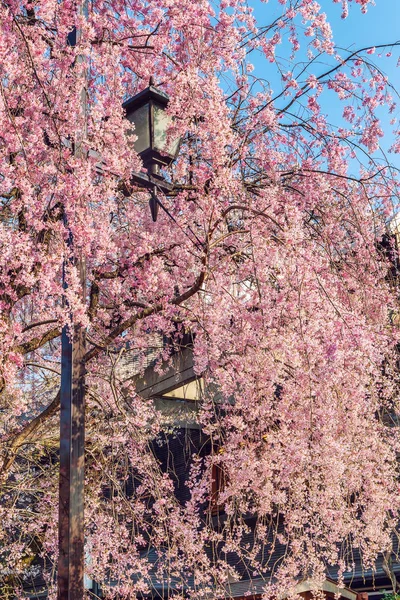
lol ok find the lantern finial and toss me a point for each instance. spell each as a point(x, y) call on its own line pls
point(153, 203)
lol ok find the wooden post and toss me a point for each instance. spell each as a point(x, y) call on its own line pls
point(71, 559)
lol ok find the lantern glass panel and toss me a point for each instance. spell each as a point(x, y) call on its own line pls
point(162, 121)
point(140, 118)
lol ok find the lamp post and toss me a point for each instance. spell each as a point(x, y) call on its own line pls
point(146, 111)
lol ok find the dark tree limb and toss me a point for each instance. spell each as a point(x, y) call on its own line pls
point(37, 342)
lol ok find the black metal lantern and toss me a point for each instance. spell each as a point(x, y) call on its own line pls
point(147, 111)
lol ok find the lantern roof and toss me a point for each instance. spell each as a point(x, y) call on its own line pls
point(150, 93)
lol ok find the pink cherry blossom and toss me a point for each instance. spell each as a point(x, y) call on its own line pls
point(271, 255)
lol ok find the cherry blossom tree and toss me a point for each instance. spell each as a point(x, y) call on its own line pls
point(270, 256)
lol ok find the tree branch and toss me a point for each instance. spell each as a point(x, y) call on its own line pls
point(27, 432)
point(38, 324)
point(37, 342)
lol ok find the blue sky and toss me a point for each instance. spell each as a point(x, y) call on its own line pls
point(380, 25)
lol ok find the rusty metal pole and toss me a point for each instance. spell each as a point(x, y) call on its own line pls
point(71, 544)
